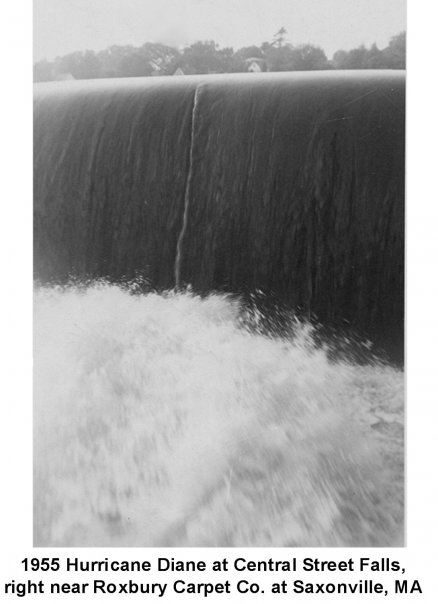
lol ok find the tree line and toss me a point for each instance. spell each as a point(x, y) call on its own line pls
point(206, 57)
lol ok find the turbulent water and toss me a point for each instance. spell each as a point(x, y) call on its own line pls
point(162, 419)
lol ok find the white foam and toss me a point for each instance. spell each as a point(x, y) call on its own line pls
point(159, 420)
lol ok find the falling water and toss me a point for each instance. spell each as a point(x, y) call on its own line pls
point(187, 194)
point(211, 413)
point(296, 186)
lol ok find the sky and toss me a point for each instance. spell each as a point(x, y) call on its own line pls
point(63, 26)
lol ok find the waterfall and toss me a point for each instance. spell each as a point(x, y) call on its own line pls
point(213, 256)
point(291, 185)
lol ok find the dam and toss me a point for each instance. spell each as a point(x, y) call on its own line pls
point(202, 245)
point(295, 187)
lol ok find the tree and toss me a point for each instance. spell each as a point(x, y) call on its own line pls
point(353, 59)
point(239, 58)
point(202, 57)
point(280, 37)
point(81, 65)
point(308, 58)
point(68, 64)
point(89, 66)
point(207, 57)
point(391, 57)
point(43, 71)
point(375, 58)
point(164, 59)
point(305, 57)
point(395, 53)
point(134, 65)
point(278, 58)
point(339, 59)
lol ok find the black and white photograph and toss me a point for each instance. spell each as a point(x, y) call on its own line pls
point(219, 273)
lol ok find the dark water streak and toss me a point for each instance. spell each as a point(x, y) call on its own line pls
point(290, 184)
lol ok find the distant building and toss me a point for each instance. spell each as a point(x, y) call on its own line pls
point(178, 71)
point(156, 68)
point(255, 65)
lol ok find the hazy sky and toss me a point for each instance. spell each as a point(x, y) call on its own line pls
point(62, 26)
